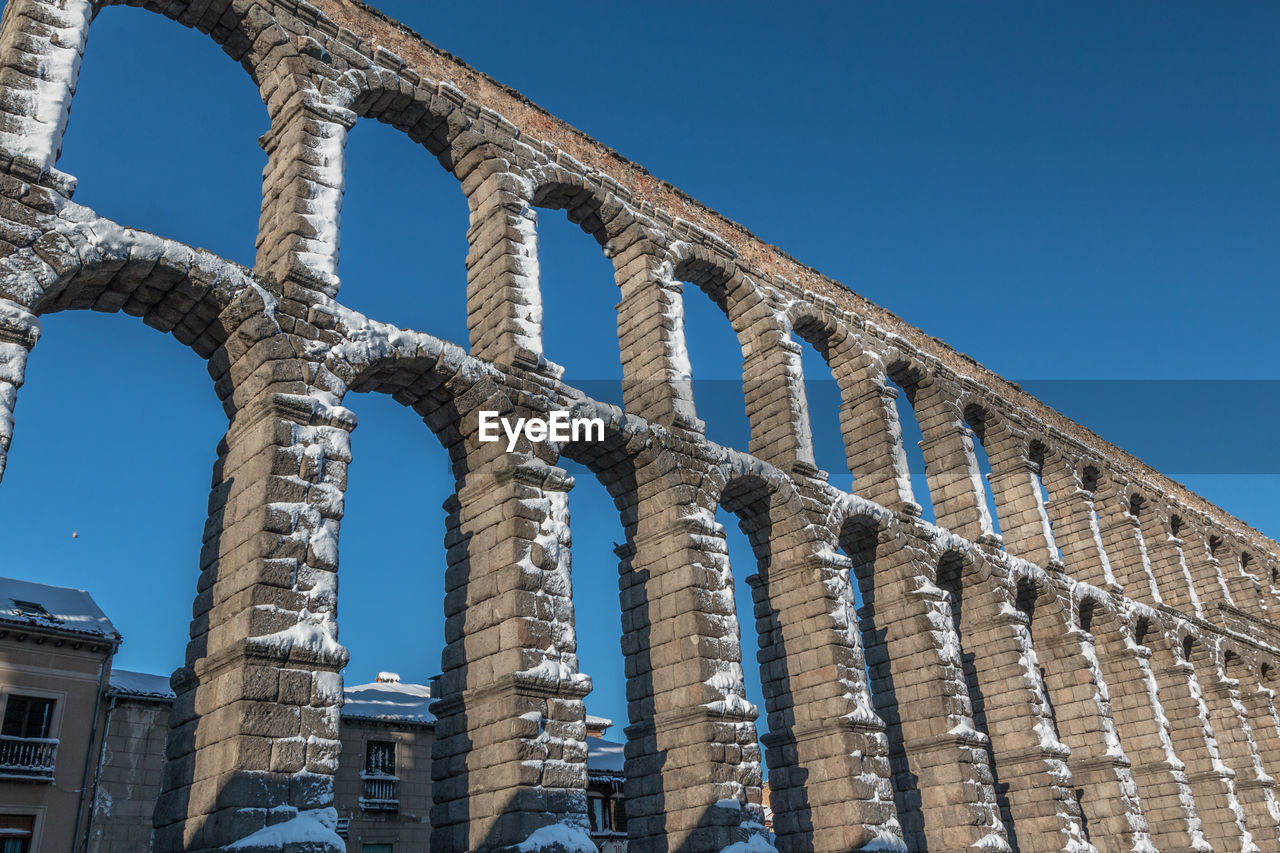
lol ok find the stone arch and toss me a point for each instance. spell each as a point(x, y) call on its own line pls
point(1014, 484)
point(588, 204)
point(1162, 527)
point(868, 417)
point(1033, 783)
point(918, 686)
point(503, 296)
point(650, 319)
point(1216, 662)
point(1116, 637)
point(248, 33)
point(826, 747)
point(1074, 520)
point(908, 373)
point(1193, 734)
point(539, 690)
point(516, 200)
point(302, 184)
point(171, 287)
point(773, 379)
point(1203, 541)
point(1122, 537)
point(1080, 708)
point(817, 325)
point(955, 484)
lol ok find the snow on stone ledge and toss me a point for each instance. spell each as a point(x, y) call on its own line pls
point(560, 838)
point(314, 826)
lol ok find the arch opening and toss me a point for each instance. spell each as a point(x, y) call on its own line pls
point(825, 400)
point(1036, 452)
point(904, 385)
point(406, 270)
point(716, 362)
point(960, 588)
point(579, 305)
point(150, 172)
point(975, 421)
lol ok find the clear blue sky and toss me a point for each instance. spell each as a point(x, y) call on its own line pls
point(1077, 192)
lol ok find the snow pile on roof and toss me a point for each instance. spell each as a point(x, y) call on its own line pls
point(388, 700)
point(594, 722)
point(140, 684)
point(604, 756)
point(53, 607)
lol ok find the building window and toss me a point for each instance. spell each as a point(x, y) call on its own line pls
point(27, 750)
point(380, 758)
point(381, 786)
point(375, 848)
point(15, 832)
point(27, 717)
point(32, 608)
point(598, 813)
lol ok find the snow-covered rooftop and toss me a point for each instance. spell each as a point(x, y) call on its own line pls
point(140, 684)
point(604, 757)
point(57, 608)
point(389, 701)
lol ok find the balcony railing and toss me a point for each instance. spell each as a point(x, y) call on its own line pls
point(381, 793)
point(28, 757)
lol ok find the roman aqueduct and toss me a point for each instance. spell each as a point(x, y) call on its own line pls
point(1098, 677)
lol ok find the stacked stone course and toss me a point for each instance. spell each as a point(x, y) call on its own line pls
point(1100, 677)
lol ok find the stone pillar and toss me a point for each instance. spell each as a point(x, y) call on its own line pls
point(1024, 523)
point(1167, 798)
point(827, 752)
point(254, 737)
point(918, 688)
point(1206, 572)
point(1254, 787)
point(1270, 575)
point(41, 45)
point(692, 731)
point(773, 385)
point(873, 445)
point(1195, 742)
point(1009, 704)
point(504, 300)
point(19, 331)
point(655, 362)
point(1075, 526)
point(1169, 566)
point(1122, 537)
point(1244, 585)
point(1264, 720)
point(1081, 710)
point(955, 483)
point(509, 756)
point(302, 188)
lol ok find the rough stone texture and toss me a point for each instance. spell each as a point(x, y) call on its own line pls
point(1100, 678)
point(129, 781)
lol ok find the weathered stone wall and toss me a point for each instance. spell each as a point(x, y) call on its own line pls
point(129, 774)
point(1100, 678)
